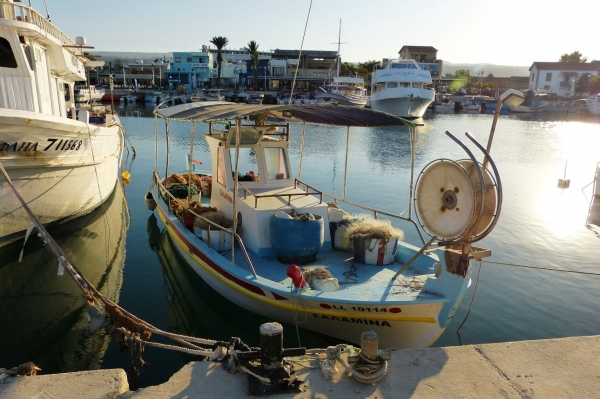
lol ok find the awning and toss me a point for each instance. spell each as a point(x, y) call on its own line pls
point(331, 114)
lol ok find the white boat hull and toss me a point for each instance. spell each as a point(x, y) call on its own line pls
point(593, 104)
point(354, 101)
point(62, 168)
point(406, 103)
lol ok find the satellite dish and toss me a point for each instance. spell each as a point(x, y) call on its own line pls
point(445, 199)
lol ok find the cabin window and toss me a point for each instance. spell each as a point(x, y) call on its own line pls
point(392, 85)
point(548, 76)
point(7, 57)
point(276, 161)
point(188, 59)
point(379, 86)
point(247, 165)
point(404, 84)
point(417, 85)
point(178, 59)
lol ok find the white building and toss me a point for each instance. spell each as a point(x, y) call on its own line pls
point(559, 77)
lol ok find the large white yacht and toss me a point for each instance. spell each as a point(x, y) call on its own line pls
point(401, 89)
point(62, 161)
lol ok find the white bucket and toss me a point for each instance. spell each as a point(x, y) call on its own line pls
point(375, 251)
point(326, 284)
point(219, 240)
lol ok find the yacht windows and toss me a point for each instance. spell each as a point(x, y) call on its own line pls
point(404, 66)
point(276, 161)
point(417, 85)
point(404, 84)
point(7, 57)
point(392, 85)
point(379, 86)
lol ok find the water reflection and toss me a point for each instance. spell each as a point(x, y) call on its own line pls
point(43, 314)
point(194, 308)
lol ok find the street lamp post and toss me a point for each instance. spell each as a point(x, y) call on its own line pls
point(480, 80)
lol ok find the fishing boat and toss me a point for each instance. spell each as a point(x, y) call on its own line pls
point(247, 225)
point(593, 104)
point(344, 90)
point(401, 89)
point(64, 163)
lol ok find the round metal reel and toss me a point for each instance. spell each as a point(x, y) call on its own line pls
point(445, 199)
point(491, 204)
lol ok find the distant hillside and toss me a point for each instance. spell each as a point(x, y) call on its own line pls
point(499, 71)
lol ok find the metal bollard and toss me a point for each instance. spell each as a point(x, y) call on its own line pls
point(271, 345)
point(369, 349)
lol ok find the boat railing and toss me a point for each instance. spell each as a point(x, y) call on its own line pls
point(17, 12)
point(163, 191)
point(376, 212)
point(308, 191)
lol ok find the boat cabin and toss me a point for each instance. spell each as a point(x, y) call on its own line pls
point(265, 182)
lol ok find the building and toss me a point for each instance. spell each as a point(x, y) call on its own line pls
point(559, 77)
point(426, 57)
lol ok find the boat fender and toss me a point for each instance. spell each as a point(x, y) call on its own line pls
point(150, 201)
point(294, 272)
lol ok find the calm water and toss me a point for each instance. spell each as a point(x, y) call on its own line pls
point(540, 226)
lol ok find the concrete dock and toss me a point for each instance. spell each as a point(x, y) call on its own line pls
point(556, 368)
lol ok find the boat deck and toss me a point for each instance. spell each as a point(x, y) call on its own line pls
point(351, 276)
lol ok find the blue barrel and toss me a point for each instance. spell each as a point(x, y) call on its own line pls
point(297, 241)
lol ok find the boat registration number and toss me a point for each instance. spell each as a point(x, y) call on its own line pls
point(26, 146)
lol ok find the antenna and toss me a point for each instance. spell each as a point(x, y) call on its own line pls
point(47, 12)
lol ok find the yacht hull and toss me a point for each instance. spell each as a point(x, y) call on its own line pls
point(62, 168)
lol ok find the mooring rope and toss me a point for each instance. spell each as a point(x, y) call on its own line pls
point(542, 268)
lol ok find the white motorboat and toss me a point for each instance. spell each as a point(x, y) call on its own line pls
point(344, 90)
point(245, 234)
point(401, 89)
point(593, 104)
point(88, 94)
point(63, 166)
point(470, 103)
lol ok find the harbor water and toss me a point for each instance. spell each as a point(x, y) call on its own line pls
point(540, 282)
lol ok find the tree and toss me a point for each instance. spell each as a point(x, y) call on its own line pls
point(461, 79)
point(583, 83)
point(574, 57)
point(594, 86)
point(365, 69)
point(348, 69)
point(252, 49)
point(219, 42)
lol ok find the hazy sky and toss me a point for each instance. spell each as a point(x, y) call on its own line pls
point(507, 32)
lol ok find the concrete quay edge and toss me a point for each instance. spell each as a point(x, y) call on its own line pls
point(552, 368)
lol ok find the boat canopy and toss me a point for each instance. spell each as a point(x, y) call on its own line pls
point(331, 114)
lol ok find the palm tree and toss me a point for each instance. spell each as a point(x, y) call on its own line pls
point(219, 42)
point(253, 50)
point(365, 68)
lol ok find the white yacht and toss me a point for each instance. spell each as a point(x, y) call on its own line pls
point(401, 89)
point(344, 91)
point(88, 94)
point(62, 161)
point(593, 104)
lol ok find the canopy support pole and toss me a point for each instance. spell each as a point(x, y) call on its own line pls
point(301, 148)
point(191, 166)
point(167, 137)
point(346, 164)
point(238, 127)
point(411, 130)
